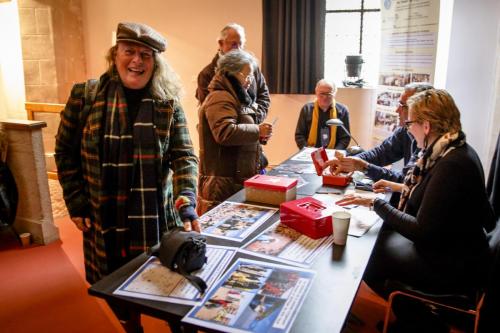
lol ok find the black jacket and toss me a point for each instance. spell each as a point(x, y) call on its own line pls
point(304, 126)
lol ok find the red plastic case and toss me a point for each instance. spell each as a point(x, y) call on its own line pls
point(319, 158)
point(270, 189)
point(308, 216)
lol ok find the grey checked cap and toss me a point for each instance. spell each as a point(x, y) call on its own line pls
point(141, 34)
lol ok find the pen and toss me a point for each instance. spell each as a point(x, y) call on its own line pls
point(274, 121)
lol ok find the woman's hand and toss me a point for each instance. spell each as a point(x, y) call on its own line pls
point(355, 199)
point(82, 223)
point(265, 130)
point(384, 186)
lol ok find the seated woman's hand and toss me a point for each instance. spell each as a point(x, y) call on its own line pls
point(355, 199)
point(384, 186)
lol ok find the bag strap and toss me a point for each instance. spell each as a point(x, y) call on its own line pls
point(89, 98)
point(196, 281)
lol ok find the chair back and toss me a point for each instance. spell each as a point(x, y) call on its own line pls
point(490, 318)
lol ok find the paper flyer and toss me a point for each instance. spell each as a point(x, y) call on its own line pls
point(233, 220)
point(287, 245)
point(254, 296)
point(156, 282)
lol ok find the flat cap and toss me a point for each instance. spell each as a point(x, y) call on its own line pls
point(141, 34)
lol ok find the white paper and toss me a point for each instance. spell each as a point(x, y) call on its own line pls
point(284, 244)
point(156, 282)
point(254, 296)
point(233, 220)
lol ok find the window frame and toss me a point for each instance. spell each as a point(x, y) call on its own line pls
point(362, 10)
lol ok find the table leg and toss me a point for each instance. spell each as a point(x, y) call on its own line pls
point(130, 320)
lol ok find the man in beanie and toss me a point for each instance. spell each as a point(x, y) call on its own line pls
point(124, 155)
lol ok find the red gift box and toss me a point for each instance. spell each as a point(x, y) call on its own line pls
point(319, 158)
point(270, 189)
point(308, 216)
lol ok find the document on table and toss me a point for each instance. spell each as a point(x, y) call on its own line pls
point(156, 282)
point(305, 154)
point(233, 220)
point(254, 296)
point(362, 218)
point(287, 245)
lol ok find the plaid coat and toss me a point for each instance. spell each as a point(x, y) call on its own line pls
point(80, 174)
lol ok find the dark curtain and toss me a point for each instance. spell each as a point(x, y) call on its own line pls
point(293, 45)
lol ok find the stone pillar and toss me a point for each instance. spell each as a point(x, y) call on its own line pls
point(26, 160)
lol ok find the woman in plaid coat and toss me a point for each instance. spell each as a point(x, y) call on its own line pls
point(122, 164)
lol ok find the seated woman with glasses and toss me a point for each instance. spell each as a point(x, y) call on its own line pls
point(229, 136)
point(435, 240)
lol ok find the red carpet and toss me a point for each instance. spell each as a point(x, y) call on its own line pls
point(43, 288)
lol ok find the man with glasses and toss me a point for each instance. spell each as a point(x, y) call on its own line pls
point(312, 130)
point(232, 37)
point(400, 145)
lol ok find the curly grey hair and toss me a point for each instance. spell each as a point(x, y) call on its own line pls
point(165, 83)
point(236, 27)
point(232, 62)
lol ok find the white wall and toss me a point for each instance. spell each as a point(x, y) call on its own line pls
point(472, 69)
point(191, 28)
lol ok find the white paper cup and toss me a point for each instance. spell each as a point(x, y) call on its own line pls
point(25, 239)
point(340, 222)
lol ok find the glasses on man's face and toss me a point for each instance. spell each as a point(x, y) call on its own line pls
point(408, 123)
point(248, 77)
point(326, 94)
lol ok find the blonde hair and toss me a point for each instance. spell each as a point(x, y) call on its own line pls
point(438, 108)
point(165, 83)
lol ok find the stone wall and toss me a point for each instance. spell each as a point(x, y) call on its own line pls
point(53, 50)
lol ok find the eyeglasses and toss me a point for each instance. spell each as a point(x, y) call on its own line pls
point(408, 123)
point(248, 77)
point(325, 94)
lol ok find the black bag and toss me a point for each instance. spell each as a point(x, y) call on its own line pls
point(8, 196)
point(184, 252)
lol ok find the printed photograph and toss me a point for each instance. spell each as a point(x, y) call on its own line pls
point(274, 241)
point(233, 220)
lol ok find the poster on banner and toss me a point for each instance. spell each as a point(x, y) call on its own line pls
point(408, 54)
point(254, 296)
point(287, 245)
point(234, 220)
point(156, 282)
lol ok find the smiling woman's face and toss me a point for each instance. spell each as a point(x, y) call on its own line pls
point(135, 64)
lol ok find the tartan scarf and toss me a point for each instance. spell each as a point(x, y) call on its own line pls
point(313, 132)
point(129, 191)
point(426, 160)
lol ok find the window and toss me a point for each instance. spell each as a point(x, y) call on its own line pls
point(352, 27)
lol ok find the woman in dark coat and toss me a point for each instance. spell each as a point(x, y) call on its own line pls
point(229, 136)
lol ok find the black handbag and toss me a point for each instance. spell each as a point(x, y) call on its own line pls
point(184, 252)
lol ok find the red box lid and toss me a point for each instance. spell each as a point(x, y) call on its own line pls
point(319, 158)
point(275, 183)
point(308, 207)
